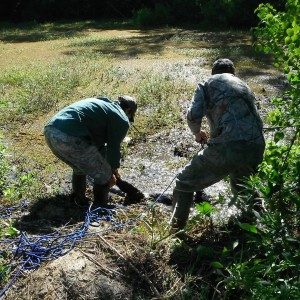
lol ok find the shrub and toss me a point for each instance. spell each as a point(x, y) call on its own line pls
point(160, 15)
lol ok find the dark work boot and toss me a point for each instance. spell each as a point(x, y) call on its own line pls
point(101, 193)
point(78, 189)
point(201, 196)
point(182, 202)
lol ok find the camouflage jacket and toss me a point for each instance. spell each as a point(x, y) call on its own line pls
point(229, 106)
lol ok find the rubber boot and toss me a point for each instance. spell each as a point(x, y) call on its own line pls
point(78, 189)
point(101, 193)
point(201, 196)
point(182, 202)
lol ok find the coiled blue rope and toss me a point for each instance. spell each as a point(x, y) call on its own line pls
point(36, 249)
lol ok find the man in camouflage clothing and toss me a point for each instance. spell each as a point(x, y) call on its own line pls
point(236, 143)
point(87, 135)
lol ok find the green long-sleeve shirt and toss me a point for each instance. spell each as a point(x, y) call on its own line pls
point(98, 120)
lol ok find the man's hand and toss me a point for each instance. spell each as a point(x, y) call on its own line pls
point(117, 174)
point(113, 181)
point(201, 137)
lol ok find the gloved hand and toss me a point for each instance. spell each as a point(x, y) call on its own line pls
point(201, 137)
point(113, 181)
point(117, 174)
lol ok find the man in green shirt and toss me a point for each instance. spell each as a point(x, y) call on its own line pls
point(87, 136)
point(236, 143)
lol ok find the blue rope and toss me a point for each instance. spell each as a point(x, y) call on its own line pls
point(6, 212)
point(3, 292)
point(36, 249)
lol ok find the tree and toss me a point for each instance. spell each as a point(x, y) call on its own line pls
point(268, 267)
point(278, 182)
point(278, 33)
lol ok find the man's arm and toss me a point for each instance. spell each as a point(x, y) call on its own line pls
point(113, 153)
point(195, 114)
point(116, 132)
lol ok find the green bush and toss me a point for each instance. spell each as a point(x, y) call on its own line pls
point(231, 13)
point(218, 12)
point(185, 11)
point(160, 15)
point(144, 17)
point(268, 265)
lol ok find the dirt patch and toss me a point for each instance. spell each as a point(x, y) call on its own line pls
point(77, 275)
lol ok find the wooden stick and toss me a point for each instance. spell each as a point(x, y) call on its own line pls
point(143, 276)
point(111, 271)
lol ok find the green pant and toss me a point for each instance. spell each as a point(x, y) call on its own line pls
point(234, 159)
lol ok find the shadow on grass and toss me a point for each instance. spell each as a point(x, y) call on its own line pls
point(153, 41)
point(148, 43)
point(194, 43)
point(47, 214)
point(201, 255)
point(266, 76)
point(34, 32)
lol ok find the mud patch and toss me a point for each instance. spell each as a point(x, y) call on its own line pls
point(75, 276)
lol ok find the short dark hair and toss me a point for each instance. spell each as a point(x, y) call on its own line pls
point(127, 102)
point(129, 105)
point(223, 65)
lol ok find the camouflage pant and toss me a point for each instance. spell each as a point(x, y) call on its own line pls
point(82, 156)
point(236, 159)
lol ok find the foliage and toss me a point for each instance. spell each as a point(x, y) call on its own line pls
point(168, 13)
point(157, 16)
point(156, 93)
point(15, 184)
point(218, 12)
point(144, 17)
point(33, 90)
point(3, 169)
point(236, 13)
point(279, 34)
point(268, 263)
point(7, 228)
point(49, 10)
point(146, 12)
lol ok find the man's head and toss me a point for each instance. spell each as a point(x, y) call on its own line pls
point(223, 65)
point(129, 105)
